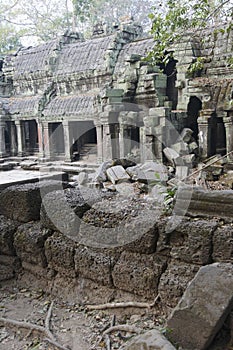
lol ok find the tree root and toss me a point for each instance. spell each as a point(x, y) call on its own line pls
point(123, 328)
point(123, 305)
point(44, 331)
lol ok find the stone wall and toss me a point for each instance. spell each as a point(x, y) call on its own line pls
point(57, 257)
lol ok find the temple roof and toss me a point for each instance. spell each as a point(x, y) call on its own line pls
point(138, 47)
point(24, 106)
point(70, 105)
point(34, 59)
point(84, 56)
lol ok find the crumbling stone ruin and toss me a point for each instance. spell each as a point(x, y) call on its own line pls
point(69, 95)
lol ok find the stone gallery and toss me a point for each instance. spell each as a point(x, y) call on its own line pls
point(70, 96)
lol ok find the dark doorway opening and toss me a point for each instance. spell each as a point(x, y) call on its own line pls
point(194, 107)
point(216, 136)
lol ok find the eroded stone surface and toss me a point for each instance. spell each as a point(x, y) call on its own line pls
point(203, 308)
point(95, 264)
point(59, 252)
point(7, 230)
point(151, 340)
point(29, 243)
point(174, 281)
point(138, 273)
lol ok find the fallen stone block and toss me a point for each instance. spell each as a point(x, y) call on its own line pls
point(199, 202)
point(203, 308)
point(117, 174)
point(100, 174)
point(62, 210)
point(181, 172)
point(171, 155)
point(151, 340)
point(120, 222)
point(186, 135)
point(23, 202)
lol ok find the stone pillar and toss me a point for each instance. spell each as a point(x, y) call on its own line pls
point(13, 139)
point(99, 133)
point(122, 140)
point(40, 139)
point(67, 140)
point(107, 142)
point(228, 123)
point(2, 138)
point(20, 137)
point(47, 148)
point(203, 127)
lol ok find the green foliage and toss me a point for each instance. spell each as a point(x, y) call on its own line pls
point(9, 39)
point(172, 18)
point(196, 67)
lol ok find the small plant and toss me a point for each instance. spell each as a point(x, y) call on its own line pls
point(196, 67)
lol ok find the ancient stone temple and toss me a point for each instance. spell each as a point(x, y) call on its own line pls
point(70, 95)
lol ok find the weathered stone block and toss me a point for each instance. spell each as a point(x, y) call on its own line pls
point(138, 273)
point(117, 174)
point(59, 252)
point(174, 281)
point(95, 264)
point(218, 203)
point(9, 266)
point(23, 202)
point(151, 340)
point(29, 243)
point(223, 244)
point(7, 230)
point(61, 211)
point(6, 273)
point(120, 222)
point(171, 155)
point(203, 308)
point(191, 241)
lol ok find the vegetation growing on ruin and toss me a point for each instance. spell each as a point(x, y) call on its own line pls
point(172, 19)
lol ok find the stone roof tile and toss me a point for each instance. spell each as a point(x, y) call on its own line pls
point(84, 56)
point(70, 105)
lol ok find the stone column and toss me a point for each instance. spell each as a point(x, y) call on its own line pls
point(228, 123)
point(20, 137)
point(107, 142)
point(122, 140)
point(2, 138)
point(40, 139)
point(13, 139)
point(99, 134)
point(47, 148)
point(203, 127)
point(67, 140)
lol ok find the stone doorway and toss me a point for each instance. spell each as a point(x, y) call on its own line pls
point(216, 136)
point(194, 107)
point(31, 137)
point(56, 139)
point(84, 140)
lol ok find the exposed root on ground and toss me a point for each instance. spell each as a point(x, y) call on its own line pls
point(123, 305)
point(43, 331)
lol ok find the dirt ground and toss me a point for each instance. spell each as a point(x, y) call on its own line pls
point(73, 327)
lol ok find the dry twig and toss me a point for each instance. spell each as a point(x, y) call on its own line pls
point(43, 330)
